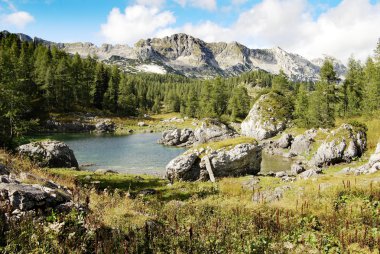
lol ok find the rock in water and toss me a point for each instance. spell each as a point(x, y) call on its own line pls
point(342, 145)
point(238, 160)
point(177, 137)
point(52, 154)
point(105, 126)
point(267, 117)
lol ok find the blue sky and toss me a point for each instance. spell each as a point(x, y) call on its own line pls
point(308, 27)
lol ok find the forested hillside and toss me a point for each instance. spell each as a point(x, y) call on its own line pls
point(36, 80)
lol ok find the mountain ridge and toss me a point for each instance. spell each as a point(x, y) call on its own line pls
point(192, 57)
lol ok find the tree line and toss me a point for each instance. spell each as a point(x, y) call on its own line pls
point(36, 80)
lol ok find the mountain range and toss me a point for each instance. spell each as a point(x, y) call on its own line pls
point(186, 55)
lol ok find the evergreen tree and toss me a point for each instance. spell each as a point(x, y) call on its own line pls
point(301, 107)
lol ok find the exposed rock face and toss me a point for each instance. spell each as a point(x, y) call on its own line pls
point(372, 166)
point(297, 168)
point(302, 143)
point(105, 126)
point(239, 160)
point(342, 145)
point(75, 126)
point(267, 117)
point(213, 130)
point(52, 154)
point(26, 197)
point(177, 137)
point(209, 131)
point(184, 168)
point(285, 141)
point(184, 54)
point(310, 173)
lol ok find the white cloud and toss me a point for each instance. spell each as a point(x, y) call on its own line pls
point(202, 4)
point(238, 2)
point(352, 27)
point(135, 23)
point(18, 19)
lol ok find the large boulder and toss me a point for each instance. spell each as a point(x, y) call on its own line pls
point(302, 143)
point(25, 197)
point(342, 145)
point(177, 137)
point(184, 167)
point(236, 160)
point(285, 141)
point(267, 117)
point(212, 130)
point(105, 126)
point(372, 166)
point(242, 159)
point(53, 154)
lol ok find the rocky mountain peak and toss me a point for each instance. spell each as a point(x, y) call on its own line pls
point(184, 54)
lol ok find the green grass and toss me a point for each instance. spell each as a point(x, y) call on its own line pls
point(227, 143)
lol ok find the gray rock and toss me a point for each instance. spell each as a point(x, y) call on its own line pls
point(141, 124)
point(371, 167)
point(297, 168)
point(74, 126)
point(4, 170)
point(266, 118)
point(53, 154)
point(242, 159)
point(212, 130)
point(105, 126)
point(177, 137)
point(29, 197)
point(302, 143)
point(310, 173)
point(342, 145)
point(270, 195)
point(281, 174)
point(239, 160)
point(183, 168)
point(285, 141)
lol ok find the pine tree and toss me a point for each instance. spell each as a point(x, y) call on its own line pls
point(301, 107)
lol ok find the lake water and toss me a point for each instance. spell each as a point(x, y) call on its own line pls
point(136, 153)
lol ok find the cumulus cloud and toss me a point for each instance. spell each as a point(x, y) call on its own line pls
point(349, 28)
point(136, 22)
point(202, 4)
point(18, 19)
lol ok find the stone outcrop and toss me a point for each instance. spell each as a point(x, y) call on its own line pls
point(212, 130)
point(74, 126)
point(285, 141)
point(267, 117)
point(302, 143)
point(342, 145)
point(238, 160)
point(209, 131)
point(178, 137)
point(19, 198)
point(372, 166)
point(53, 154)
point(105, 126)
point(26, 197)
